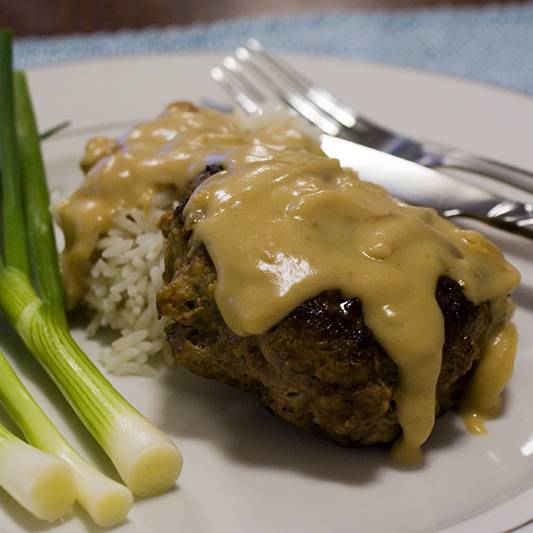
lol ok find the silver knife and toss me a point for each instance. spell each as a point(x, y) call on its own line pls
point(419, 185)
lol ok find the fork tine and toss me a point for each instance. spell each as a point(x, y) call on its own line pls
point(233, 66)
point(254, 46)
point(320, 97)
point(297, 100)
point(235, 90)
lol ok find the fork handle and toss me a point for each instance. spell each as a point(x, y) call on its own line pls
point(517, 177)
point(514, 217)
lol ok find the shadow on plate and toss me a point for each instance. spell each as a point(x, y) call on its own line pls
point(197, 408)
point(523, 297)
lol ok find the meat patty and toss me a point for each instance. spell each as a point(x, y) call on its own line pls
point(320, 368)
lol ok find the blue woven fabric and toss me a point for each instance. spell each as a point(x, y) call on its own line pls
point(492, 44)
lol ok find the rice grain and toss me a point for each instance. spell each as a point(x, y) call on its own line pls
point(122, 288)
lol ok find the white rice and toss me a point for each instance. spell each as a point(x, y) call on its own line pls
point(122, 289)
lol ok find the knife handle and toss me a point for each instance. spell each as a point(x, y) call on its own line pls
point(507, 215)
point(456, 159)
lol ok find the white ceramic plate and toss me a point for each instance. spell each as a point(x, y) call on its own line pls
point(246, 471)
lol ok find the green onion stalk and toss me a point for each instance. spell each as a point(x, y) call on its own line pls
point(145, 457)
point(54, 130)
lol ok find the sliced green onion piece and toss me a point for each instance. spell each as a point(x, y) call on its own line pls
point(106, 501)
point(42, 483)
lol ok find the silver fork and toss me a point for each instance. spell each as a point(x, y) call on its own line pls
point(245, 82)
point(336, 118)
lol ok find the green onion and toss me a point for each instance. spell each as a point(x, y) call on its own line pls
point(106, 501)
point(145, 458)
point(40, 230)
point(42, 483)
point(15, 252)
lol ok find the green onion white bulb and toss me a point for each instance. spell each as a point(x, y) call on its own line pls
point(42, 483)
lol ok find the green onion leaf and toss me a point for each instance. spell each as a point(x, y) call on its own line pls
point(15, 251)
point(38, 218)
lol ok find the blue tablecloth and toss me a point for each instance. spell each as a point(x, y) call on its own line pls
point(492, 44)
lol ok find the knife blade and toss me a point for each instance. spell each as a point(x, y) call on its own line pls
point(420, 185)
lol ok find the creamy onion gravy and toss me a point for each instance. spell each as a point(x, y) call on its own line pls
point(282, 223)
